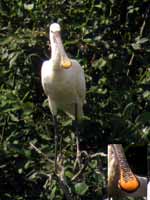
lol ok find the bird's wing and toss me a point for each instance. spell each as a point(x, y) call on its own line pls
point(81, 86)
point(45, 72)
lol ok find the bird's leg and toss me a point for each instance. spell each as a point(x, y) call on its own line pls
point(78, 154)
point(56, 140)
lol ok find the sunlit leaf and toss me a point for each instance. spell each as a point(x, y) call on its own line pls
point(28, 6)
point(81, 188)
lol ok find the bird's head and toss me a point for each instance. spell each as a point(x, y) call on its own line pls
point(55, 28)
point(55, 39)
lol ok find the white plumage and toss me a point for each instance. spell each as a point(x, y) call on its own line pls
point(63, 79)
point(148, 191)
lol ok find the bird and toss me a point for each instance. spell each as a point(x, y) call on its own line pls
point(121, 180)
point(63, 81)
point(148, 190)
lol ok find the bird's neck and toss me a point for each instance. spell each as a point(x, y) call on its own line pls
point(55, 56)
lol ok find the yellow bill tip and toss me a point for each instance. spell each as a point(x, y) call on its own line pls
point(66, 64)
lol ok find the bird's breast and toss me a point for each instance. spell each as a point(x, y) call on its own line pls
point(59, 86)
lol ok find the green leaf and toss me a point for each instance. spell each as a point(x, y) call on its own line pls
point(81, 188)
point(13, 59)
point(146, 94)
point(13, 117)
point(27, 108)
point(100, 63)
point(128, 109)
point(136, 46)
point(144, 117)
point(69, 174)
point(28, 6)
point(52, 195)
point(142, 40)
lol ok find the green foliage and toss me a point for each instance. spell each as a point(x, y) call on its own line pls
point(111, 41)
point(81, 188)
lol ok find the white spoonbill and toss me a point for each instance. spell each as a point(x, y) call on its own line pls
point(121, 180)
point(63, 82)
point(148, 191)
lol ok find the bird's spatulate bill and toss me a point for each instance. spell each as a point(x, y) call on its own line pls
point(128, 184)
point(128, 181)
point(65, 61)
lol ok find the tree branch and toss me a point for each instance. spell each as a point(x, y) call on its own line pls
point(59, 176)
point(40, 153)
point(89, 157)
